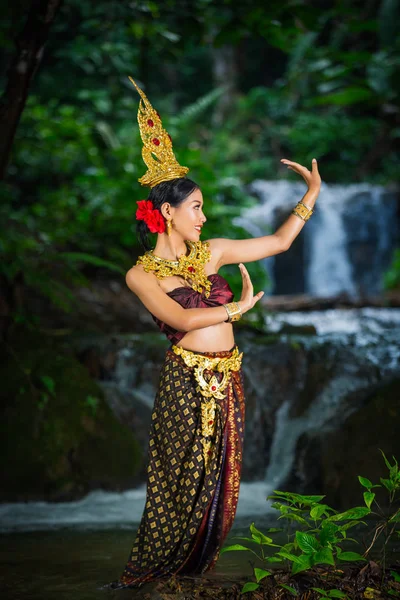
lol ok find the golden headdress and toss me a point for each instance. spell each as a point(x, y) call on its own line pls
point(157, 145)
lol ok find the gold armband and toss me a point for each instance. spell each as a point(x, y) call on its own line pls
point(233, 310)
point(302, 210)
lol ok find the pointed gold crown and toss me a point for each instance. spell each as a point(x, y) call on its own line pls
point(157, 145)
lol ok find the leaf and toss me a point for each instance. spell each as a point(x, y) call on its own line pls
point(290, 496)
point(194, 110)
point(261, 573)
point(93, 260)
point(289, 588)
point(289, 547)
point(253, 540)
point(308, 543)
point(321, 591)
point(320, 509)
point(303, 564)
point(336, 594)
point(395, 575)
point(388, 484)
point(246, 539)
point(48, 382)
point(350, 556)
point(368, 498)
point(289, 556)
point(297, 518)
point(236, 547)
point(387, 463)
point(353, 513)
point(328, 533)
point(346, 526)
point(233, 547)
point(324, 555)
point(365, 482)
point(250, 586)
point(258, 536)
point(395, 518)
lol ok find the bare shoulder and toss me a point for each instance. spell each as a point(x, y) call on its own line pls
point(216, 246)
point(137, 279)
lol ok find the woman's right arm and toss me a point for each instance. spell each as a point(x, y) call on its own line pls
point(184, 319)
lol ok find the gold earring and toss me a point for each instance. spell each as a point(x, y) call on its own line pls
point(169, 226)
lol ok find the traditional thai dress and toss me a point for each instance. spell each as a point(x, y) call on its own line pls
point(194, 455)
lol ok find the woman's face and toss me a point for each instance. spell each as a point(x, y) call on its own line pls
point(188, 218)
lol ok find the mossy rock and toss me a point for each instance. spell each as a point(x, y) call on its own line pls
point(59, 438)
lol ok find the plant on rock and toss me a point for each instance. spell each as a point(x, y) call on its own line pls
point(317, 534)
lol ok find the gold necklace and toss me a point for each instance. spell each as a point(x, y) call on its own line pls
point(190, 267)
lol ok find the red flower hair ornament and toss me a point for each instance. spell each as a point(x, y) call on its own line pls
point(151, 216)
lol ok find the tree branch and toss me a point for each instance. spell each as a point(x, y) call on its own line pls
point(29, 51)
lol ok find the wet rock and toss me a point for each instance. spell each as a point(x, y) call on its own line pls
point(329, 462)
point(58, 437)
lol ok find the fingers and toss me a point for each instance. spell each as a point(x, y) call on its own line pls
point(314, 167)
point(293, 165)
point(244, 271)
point(247, 293)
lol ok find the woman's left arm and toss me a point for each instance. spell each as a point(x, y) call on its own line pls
point(235, 251)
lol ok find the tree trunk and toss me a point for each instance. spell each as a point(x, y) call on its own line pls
point(225, 74)
point(29, 50)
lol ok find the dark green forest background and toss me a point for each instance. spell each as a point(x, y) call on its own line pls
point(238, 85)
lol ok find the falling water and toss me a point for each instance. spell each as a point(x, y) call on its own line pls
point(348, 241)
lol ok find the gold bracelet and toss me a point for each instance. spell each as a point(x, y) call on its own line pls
point(234, 311)
point(302, 210)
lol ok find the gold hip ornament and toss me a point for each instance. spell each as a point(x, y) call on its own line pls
point(211, 389)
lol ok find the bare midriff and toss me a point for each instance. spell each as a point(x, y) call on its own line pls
point(215, 338)
point(209, 339)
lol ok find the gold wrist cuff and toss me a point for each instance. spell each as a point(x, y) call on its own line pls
point(302, 210)
point(233, 310)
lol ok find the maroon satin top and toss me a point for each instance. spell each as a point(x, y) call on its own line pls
point(220, 293)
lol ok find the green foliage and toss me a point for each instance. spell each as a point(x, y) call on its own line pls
point(392, 276)
point(329, 90)
point(321, 531)
point(92, 403)
point(332, 593)
point(289, 588)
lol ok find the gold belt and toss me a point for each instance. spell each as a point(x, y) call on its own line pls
point(211, 389)
point(222, 364)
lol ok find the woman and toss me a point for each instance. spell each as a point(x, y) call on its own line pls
point(197, 427)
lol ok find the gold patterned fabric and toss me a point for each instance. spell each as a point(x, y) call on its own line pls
point(190, 502)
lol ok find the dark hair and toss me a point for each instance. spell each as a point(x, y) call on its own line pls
point(175, 192)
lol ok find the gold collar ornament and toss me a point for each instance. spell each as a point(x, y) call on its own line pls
point(190, 267)
point(157, 145)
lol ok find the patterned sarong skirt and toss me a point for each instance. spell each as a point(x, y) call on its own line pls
point(194, 467)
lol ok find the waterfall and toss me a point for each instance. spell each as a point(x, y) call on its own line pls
point(347, 244)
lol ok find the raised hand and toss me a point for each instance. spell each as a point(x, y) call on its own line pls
point(312, 178)
point(247, 299)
